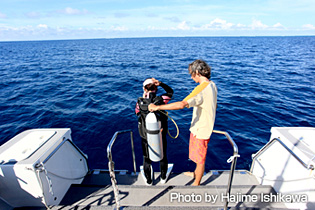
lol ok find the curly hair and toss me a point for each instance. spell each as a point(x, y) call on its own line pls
point(202, 67)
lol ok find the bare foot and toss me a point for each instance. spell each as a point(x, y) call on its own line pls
point(191, 174)
point(195, 184)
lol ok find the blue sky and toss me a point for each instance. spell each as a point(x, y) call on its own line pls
point(78, 19)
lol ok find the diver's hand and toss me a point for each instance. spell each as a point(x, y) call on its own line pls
point(156, 82)
point(152, 107)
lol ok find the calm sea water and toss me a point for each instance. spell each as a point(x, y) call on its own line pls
point(91, 86)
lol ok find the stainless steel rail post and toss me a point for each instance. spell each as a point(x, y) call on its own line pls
point(133, 154)
point(111, 164)
point(233, 160)
point(311, 167)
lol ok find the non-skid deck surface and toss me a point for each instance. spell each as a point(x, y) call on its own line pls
point(212, 178)
point(96, 193)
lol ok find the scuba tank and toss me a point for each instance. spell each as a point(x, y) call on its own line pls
point(154, 137)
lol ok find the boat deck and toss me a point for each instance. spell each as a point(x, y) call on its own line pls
point(96, 192)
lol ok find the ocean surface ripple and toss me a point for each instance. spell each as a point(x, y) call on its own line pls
point(91, 86)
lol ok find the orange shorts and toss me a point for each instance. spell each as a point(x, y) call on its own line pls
point(198, 149)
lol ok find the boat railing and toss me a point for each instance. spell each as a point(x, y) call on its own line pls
point(111, 143)
point(111, 164)
point(310, 166)
point(231, 160)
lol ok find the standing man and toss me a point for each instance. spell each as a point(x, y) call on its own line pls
point(204, 100)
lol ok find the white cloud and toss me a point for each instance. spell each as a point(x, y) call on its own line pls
point(278, 25)
point(183, 26)
point(71, 11)
point(119, 28)
point(257, 24)
point(308, 26)
point(153, 28)
point(240, 26)
point(217, 24)
point(43, 26)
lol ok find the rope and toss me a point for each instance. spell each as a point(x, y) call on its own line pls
point(62, 177)
point(114, 183)
point(166, 114)
point(39, 169)
point(232, 158)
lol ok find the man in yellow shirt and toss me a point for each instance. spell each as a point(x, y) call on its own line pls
point(204, 100)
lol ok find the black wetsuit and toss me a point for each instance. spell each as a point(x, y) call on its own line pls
point(142, 112)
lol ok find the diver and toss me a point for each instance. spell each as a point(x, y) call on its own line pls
point(150, 88)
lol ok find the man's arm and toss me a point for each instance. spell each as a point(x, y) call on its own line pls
point(171, 106)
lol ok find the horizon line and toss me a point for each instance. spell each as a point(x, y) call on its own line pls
point(144, 37)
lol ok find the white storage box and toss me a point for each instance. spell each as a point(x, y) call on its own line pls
point(38, 166)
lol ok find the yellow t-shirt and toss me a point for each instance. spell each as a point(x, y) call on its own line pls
point(204, 100)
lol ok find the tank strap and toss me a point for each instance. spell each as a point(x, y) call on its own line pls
point(152, 131)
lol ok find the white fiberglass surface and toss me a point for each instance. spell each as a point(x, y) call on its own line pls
point(26, 146)
point(307, 137)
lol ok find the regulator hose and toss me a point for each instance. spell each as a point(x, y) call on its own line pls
point(166, 114)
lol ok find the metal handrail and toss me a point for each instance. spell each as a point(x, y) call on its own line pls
point(112, 141)
point(60, 145)
point(232, 159)
point(111, 164)
point(287, 148)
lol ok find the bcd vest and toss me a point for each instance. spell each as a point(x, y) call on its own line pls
point(143, 104)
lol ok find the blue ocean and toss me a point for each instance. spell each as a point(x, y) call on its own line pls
point(92, 86)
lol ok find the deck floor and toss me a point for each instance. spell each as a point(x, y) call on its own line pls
point(96, 192)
